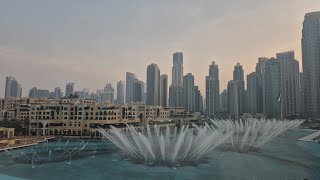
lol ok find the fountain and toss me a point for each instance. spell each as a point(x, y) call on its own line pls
point(193, 152)
point(166, 145)
point(251, 134)
point(56, 152)
point(170, 146)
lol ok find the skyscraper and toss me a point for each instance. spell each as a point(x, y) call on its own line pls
point(82, 94)
point(120, 92)
point(176, 96)
point(177, 69)
point(290, 89)
point(198, 100)
point(130, 78)
point(163, 90)
point(39, 93)
point(176, 87)
point(233, 98)
point(252, 93)
point(69, 89)
point(93, 95)
point(138, 91)
point(301, 93)
point(143, 92)
point(224, 101)
point(212, 90)
point(13, 88)
point(189, 93)
point(153, 84)
point(43, 93)
point(238, 75)
point(260, 74)
point(311, 64)
point(100, 96)
point(33, 92)
point(272, 88)
point(109, 93)
point(57, 93)
point(245, 101)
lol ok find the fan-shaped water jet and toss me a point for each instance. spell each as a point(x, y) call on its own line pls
point(167, 145)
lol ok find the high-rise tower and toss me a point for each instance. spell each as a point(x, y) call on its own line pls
point(130, 78)
point(290, 90)
point(176, 87)
point(120, 92)
point(311, 64)
point(13, 87)
point(189, 92)
point(69, 89)
point(177, 69)
point(153, 84)
point(212, 90)
point(163, 90)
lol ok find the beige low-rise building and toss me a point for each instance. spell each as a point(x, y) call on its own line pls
point(17, 108)
point(84, 117)
point(6, 133)
point(176, 111)
point(7, 114)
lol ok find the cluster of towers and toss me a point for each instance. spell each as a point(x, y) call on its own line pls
point(276, 88)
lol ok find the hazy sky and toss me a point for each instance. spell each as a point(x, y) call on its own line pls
point(48, 43)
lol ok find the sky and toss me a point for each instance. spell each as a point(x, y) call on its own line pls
point(46, 44)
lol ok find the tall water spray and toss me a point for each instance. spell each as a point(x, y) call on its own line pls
point(167, 145)
point(170, 146)
point(253, 133)
point(55, 152)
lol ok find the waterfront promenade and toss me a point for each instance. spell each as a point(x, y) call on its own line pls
point(24, 141)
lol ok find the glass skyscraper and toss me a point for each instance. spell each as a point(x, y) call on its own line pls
point(311, 64)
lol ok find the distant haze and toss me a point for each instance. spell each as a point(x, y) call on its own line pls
point(49, 43)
